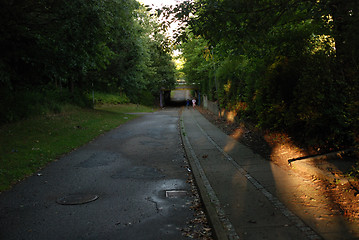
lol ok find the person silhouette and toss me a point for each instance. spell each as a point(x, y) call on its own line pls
point(194, 102)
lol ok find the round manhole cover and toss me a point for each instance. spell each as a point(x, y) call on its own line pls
point(76, 199)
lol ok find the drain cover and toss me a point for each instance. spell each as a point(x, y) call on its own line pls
point(76, 199)
point(175, 193)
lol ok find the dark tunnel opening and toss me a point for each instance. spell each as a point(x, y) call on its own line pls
point(178, 97)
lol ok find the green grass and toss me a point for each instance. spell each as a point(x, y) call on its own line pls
point(28, 145)
point(107, 98)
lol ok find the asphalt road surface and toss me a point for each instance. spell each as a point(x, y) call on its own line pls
point(112, 188)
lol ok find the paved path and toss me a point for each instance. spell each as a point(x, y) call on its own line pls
point(248, 197)
point(129, 169)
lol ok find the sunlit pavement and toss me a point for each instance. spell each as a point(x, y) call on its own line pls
point(248, 197)
point(127, 184)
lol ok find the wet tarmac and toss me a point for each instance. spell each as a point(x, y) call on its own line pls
point(127, 184)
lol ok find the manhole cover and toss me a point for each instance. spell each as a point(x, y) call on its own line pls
point(175, 193)
point(76, 199)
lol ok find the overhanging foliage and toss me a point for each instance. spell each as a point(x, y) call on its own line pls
point(79, 46)
point(284, 64)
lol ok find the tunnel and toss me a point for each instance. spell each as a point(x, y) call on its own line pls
point(178, 96)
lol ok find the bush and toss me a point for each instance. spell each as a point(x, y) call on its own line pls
point(24, 103)
point(145, 98)
point(107, 98)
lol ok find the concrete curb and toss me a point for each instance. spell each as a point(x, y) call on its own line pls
point(220, 233)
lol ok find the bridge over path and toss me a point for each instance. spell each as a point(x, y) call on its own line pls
point(179, 95)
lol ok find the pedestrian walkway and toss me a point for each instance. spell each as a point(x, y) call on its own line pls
point(248, 197)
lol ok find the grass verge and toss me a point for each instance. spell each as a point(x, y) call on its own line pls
point(28, 145)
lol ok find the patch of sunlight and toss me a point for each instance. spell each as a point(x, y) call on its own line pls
point(323, 43)
point(283, 148)
point(227, 86)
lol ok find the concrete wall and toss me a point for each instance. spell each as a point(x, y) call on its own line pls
point(209, 105)
point(214, 108)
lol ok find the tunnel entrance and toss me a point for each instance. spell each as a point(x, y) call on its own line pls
point(179, 95)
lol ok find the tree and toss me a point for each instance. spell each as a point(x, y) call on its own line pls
point(293, 63)
point(66, 47)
